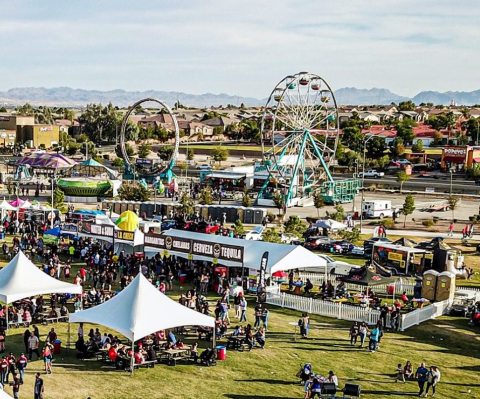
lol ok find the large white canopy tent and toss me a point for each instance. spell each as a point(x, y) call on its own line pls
point(281, 256)
point(20, 278)
point(4, 395)
point(139, 310)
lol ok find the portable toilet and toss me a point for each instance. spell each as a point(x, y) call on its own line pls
point(445, 286)
point(429, 286)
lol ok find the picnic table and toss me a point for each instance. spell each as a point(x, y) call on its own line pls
point(172, 355)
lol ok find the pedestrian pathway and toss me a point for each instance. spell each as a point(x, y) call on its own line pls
point(420, 233)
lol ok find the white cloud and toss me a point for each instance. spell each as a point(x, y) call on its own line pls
point(240, 47)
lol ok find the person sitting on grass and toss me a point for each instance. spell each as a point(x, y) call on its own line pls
point(332, 378)
point(399, 373)
point(249, 336)
point(260, 337)
point(408, 370)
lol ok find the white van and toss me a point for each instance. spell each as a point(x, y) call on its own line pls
point(375, 209)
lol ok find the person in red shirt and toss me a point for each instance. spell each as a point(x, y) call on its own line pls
point(83, 273)
point(22, 365)
point(3, 369)
point(112, 353)
point(11, 365)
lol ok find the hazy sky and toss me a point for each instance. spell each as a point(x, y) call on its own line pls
point(240, 47)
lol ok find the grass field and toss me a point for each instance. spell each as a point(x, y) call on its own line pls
point(270, 373)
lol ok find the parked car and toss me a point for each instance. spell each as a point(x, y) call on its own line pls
point(204, 167)
point(255, 234)
point(358, 251)
point(316, 243)
point(461, 307)
point(335, 266)
point(372, 173)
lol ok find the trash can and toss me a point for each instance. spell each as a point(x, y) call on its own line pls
point(57, 346)
point(221, 352)
point(182, 279)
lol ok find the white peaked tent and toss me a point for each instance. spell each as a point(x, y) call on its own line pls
point(22, 279)
point(5, 206)
point(4, 395)
point(139, 310)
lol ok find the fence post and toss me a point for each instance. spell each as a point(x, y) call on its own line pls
point(310, 305)
point(402, 319)
point(339, 311)
point(283, 300)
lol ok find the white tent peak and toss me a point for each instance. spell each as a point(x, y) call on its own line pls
point(20, 278)
point(139, 310)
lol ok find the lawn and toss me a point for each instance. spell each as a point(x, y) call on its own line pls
point(270, 373)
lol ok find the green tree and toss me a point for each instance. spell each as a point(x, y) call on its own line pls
point(132, 191)
point(402, 177)
point(318, 201)
point(271, 235)
point(205, 196)
point(406, 105)
point(279, 201)
point(294, 225)
point(408, 207)
point(3, 109)
point(339, 214)
point(118, 162)
point(405, 130)
point(165, 152)
point(452, 204)
point(187, 206)
point(238, 228)
point(72, 147)
point(144, 149)
point(25, 110)
point(58, 198)
point(418, 146)
point(352, 138)
point(398, 148)
point(437, 138)
point(376, 147)
point(246, 200)
point(190, 154)
point(218, 130)
point(91, 149)
point(220, 154)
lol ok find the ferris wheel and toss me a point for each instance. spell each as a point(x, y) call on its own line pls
point(164, 168)
point(300, 133)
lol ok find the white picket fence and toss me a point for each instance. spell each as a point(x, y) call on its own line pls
point(322, 308)
point(429, 312)
point(472, 292)
point(317, 279)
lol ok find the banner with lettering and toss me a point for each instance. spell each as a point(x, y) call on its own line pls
point(213, 250)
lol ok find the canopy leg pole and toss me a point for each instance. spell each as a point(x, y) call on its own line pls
point(132, 358)
point(68, 340)
point(214, 338)
point(6, 314)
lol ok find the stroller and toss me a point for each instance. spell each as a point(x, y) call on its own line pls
point(305, 372)
point(208, 357)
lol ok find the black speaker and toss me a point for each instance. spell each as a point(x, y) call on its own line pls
point(352, 390)
point(329, 388)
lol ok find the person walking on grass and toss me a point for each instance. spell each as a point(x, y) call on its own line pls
point(433, 377)
point(421, 376)
point(362, 332)
point(400, 376)
point(38, 388)
point(354, 333)
point(243, 309)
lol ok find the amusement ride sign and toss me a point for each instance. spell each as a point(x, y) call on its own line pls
point(192, 247)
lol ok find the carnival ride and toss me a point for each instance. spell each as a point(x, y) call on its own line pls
point(150, 172)
point(300, 134)
point(89, 179)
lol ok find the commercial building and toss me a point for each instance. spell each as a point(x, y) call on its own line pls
point(9, 125)
point(460, 157)
point(38, 136)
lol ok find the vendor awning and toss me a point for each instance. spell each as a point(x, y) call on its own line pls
point(281, 256)
point(227, 176)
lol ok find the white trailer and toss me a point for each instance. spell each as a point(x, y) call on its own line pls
point(375, 209)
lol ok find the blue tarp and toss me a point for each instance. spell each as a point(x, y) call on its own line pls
point(53, 232)
point(88, 212)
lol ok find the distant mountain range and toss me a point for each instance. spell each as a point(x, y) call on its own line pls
point(66, 96)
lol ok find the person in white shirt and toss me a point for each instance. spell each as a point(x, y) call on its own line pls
point(332, 378)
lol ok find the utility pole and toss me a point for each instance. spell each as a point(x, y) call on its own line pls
point(363, 179)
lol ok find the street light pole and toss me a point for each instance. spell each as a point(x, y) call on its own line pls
point(451, 180)
point(363, 179)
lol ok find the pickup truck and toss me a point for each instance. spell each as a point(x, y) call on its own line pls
point(372, 173)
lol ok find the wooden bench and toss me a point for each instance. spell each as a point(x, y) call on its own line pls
point(146, 364)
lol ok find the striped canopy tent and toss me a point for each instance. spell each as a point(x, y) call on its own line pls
point(46, 160)
point(91, 168)
point(128, 221)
